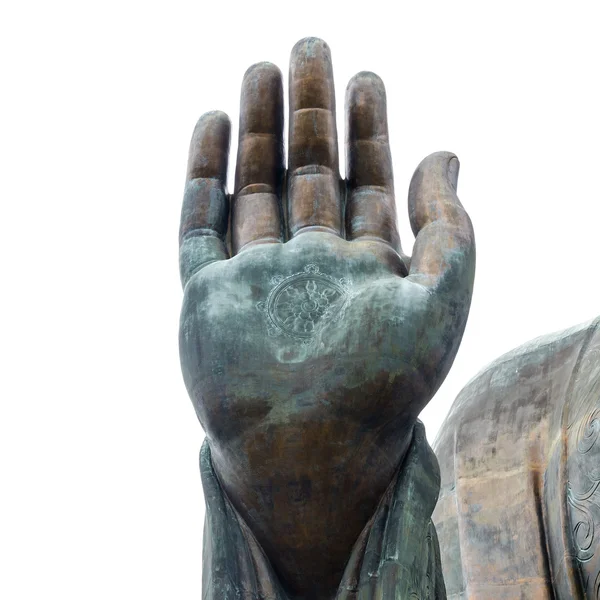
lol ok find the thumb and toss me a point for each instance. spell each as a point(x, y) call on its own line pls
point(444, 249)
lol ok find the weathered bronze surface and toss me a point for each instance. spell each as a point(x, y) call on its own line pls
point(519, 510)
point(310, 343)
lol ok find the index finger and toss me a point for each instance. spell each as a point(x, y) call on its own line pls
point(444, 251)
point(370, 206)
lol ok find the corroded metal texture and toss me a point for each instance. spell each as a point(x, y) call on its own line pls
point(309, 342)
point(519, 510)
point(395, 556)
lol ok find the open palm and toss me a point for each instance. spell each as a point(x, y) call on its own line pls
point(309, 341)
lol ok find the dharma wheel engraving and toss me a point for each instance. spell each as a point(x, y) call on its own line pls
point(303, 303)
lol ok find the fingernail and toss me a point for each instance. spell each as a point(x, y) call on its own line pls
point(453, 168)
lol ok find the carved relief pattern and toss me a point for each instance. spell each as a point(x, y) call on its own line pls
point(583, 487)
point(302, 304)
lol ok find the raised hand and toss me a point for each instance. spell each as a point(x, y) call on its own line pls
point(309, 342)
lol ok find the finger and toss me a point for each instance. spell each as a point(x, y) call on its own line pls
point(371, 207)
point(444, 250)
point(204, 214)
point(314, 199)
point(256, 207)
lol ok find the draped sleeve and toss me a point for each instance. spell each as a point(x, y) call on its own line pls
point(396, 557)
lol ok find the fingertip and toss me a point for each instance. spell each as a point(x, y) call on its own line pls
point(366, 78)
point(261, 101)
point(366, 107)
point(311, 58)
point(436, 158)
point(212, 123)
point(209, 146)
point(453, 170)
point(212, 118)
point(262, 86)
point(441, 164)
point(434, 178)
point(263, 69)
point(311, 47)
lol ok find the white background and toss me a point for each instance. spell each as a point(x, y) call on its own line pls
point(100, 491)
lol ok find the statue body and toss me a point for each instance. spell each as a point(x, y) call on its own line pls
point(519, 510)
point(310, 342)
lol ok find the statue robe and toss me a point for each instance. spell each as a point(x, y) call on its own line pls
point(396, 557)
point(519, 509)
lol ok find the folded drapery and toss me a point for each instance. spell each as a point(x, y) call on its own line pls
point(396, 557)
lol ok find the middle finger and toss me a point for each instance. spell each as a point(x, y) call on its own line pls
point(314, 198)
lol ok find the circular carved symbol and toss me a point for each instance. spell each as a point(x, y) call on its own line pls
point(301, 304)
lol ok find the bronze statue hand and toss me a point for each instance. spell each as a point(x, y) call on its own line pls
point(307, 347)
